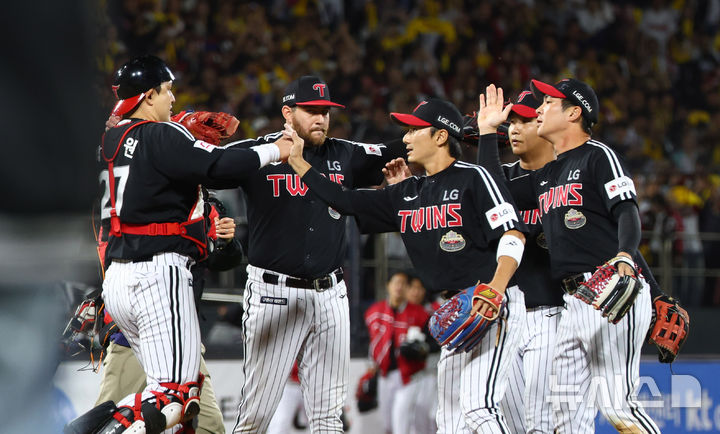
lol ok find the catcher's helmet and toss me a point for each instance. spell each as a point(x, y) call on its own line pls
point(135, 78)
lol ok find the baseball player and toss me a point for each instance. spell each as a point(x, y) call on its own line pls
point(296, 305)
point(587, 204)
point(525, 405)
point(392, 322)
point(459, 225)
point(152, 171)
point(122, 373)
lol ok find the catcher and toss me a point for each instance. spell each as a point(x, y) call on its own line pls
point(122, 373)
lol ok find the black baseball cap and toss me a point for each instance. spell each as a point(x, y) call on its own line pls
point(436, 113)
point(135, 78)
point(308, 90)
point(526, 105)
point(581, 94)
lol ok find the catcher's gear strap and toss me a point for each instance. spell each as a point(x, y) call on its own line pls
point(267, 153)
point(185, 229)
point(512, 246)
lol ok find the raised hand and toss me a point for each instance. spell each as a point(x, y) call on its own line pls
point(396, 171)
point(491, 113)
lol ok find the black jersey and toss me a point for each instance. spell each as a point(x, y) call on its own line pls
point(293, 232)
point(575, 195)
point(533, 276)
point(157, 175)
point(450, 222)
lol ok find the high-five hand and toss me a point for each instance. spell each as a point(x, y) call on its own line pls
point(491, 113)
point(396, 171)
point(296, 160)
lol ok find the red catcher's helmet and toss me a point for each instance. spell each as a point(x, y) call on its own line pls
point(135, 78)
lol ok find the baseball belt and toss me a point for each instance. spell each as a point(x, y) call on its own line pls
point(319, 284)
point(571, 284)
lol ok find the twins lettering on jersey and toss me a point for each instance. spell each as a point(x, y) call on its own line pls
point(562, 195)
point(294, 185)
point(531, 216)
point(432, 217)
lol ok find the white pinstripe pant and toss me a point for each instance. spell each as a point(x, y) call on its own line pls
point(597, 364)
point(525, 406)
point(480, 376)
point(152, 303)
point(282, 324)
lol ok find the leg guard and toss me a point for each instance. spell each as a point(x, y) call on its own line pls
point(180, 404)
point(89, 422)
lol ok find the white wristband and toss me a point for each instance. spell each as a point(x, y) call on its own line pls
point(512, 246)
point(267, 153)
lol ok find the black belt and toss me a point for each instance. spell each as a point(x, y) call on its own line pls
point(319, 284)
point(571, 284)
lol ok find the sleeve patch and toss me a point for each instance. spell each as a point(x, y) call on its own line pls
point(501, 214)
point(620, 186)
point(205, 146)
point(372, 149)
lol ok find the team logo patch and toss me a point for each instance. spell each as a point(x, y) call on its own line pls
point(205, 146)
point(574, 219)
point(619, 186)
point(334, 214)
point(541, 240)
point(273, 300)
point(372, 149)
point(452, 242)
point(501, 214)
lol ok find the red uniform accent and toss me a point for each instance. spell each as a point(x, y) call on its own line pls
point(383, 325)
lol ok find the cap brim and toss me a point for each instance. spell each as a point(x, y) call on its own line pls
point(539, 89)
point(125, 105)
point(524, 111)
point(320, 102)
point(412, 120)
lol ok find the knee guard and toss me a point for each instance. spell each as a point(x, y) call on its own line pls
point(178, 405)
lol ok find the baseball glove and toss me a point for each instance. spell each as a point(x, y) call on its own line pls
point(609, 292)
point(415, 351)
point(669, 327)
point(457, 325)
point(209, 127)
point(366, 393)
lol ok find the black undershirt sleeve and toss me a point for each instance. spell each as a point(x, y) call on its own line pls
point(655, 290)
point(626, 215)
point(488, 155)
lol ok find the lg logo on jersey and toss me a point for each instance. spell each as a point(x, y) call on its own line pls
point(454, 194)
point(130, 145)
point(294, 185)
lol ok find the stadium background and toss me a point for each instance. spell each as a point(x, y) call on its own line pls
point(654, 65)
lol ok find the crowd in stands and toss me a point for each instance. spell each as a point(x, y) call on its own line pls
point(655, 65)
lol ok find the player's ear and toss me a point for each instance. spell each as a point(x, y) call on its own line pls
point(441, 136)
point(574, 113)
point(287, 113)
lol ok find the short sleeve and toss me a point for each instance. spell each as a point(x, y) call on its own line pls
point(613, 180)
point(494, 206)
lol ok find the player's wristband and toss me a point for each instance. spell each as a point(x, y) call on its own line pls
point(267, 153)
point(512, 246)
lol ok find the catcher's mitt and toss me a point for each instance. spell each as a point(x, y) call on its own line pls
point(366, 393)
point(669, 327)
point(209, 127)
point(609, 292)
point(457, 325)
